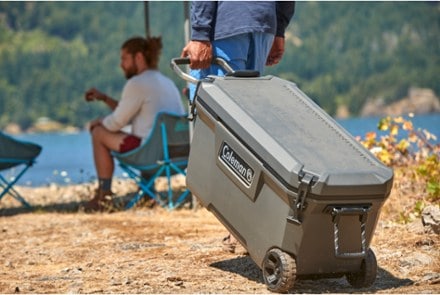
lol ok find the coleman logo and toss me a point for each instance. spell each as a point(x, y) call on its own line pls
point(236, 163)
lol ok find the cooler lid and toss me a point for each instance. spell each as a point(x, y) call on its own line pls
point(292, 135)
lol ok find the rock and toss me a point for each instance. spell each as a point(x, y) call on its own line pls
point(416, 227)
point(342, 112)
point(433, 278)
point(44, 124)
point(415, 259)
point(418, 101)
point(373, 107)
point(13, 128)
point(9, 264)
point(431, 218)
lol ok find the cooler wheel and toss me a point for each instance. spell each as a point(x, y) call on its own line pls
point(367, 275)
point(279, 271)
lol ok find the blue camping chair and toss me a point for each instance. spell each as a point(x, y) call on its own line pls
point(164, 153)
point(14, 153)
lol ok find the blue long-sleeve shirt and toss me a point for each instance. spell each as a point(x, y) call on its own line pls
point(214, 20)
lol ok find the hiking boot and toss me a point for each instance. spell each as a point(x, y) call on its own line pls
point(102, 201)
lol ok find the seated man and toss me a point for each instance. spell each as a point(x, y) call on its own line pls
point(146, 93)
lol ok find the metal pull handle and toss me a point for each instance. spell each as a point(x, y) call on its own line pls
point(336, 213)
point(176, 62)
point(179, 61)
point(221, 62)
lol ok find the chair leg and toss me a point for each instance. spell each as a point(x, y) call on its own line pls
point(8, 188)
point(181, 199)
point(170, 188)
point(171, 204)
point(138, 196)
point(145, 187)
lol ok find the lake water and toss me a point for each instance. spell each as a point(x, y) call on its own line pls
point(67, 158)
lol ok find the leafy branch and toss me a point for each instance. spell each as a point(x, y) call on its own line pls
point(414, 153)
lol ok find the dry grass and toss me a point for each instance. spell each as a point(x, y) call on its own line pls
point(408, 188)
point(57, 249)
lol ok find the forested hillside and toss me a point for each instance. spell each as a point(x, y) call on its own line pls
point(339, 53)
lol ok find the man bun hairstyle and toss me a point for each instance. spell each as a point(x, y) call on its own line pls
point(153, 51)
point(150, 47)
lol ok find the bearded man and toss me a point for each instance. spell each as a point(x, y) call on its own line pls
point(146, 93)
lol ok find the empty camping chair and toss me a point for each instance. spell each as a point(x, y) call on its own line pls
point(14, 153)
point(163, 154)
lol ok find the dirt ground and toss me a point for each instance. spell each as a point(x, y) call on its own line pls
point(57, 249)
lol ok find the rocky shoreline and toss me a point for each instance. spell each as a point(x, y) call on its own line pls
point(418, 101)
point(43, 125)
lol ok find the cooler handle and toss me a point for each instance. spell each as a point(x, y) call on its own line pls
point(178, 61)
point(337, 212)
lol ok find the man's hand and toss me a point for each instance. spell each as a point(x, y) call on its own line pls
point(276, 52)
point(94, 94)
point(94, 123)
point(199, 53)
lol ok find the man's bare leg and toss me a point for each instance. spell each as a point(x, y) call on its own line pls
point(104, 141)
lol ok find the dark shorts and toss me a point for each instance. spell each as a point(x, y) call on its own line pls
point(130, 142)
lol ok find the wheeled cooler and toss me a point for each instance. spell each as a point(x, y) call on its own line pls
point(295, 188)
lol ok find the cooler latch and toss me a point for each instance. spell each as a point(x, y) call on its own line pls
point(306, 182)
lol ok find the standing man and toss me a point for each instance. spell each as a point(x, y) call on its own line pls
point(146, 93)
point(248, 35)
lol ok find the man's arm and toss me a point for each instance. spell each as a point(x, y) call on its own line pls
point(285, 11)
point(95, 94)
point(131, 101)
point(199, 49)
point(203, 14)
